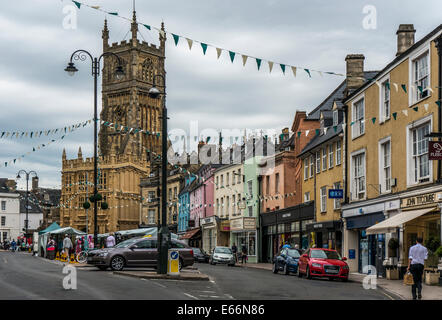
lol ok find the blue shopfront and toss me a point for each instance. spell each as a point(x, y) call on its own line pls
point(367, 251)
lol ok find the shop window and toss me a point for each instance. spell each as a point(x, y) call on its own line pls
point(295, 226)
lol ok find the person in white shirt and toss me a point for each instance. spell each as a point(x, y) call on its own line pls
point(67, 246)
point(110, 241)
point(416, 259)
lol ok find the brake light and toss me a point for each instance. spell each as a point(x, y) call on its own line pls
point(191, 252)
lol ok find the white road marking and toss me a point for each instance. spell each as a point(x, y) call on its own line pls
point(4, 259)
point(189, 295)
point(157, 283)
point(208, 291)
point(215, 296)
point(229, 296)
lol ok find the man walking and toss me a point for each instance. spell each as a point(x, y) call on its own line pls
point(417, 256)
point(67, 246)
point(110, 241)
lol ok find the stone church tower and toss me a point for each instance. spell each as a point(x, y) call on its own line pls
point(122, 153)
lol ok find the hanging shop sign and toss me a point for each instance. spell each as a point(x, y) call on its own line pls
point(435, 150)
point(335, 193)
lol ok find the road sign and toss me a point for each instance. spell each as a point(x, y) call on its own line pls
point(335, 193)
point(173, 262)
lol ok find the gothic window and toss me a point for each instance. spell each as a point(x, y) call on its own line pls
point(147, 70)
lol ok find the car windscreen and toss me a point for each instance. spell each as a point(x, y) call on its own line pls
point(196, 250)
point(293, 253)
point(126, 243)
point(325, 254)
point(223, 250)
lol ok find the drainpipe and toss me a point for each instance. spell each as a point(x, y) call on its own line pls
point(259, 229)
point(438, 42)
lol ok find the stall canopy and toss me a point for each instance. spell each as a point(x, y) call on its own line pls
point(141, 232)
point(68, 230)
point(53, 226)
point(190, 234)
point(394, 222)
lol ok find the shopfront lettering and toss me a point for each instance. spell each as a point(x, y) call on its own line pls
point(419, 200)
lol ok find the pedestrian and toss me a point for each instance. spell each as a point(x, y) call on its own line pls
point(77, 245)
point(286, 245)
point(67, 246)
point(110, 241)
point(297, 248)
point(244, 254)
point(416, 259)
point(13, 245)
point(235, 252)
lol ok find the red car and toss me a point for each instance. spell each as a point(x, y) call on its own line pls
point(317, 262)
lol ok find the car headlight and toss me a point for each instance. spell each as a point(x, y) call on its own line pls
point(317, 265)
point(103, 254)
point(216, 257)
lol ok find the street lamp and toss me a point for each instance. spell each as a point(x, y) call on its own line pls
point(163, 233)
point(27, 186)
point(119, 74)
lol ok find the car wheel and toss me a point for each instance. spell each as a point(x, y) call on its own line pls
point(180, 264)
point(307, 273)
point(286, 270)
point(345, 279)
point(299, 272)
point(117, 263)
point(275, 268)
point(102, 268)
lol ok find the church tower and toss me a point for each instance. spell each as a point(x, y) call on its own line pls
point(126, 102)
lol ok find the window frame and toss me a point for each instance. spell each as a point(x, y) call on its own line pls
point(318, 161)
point(358, 122)
point(331, 159)
point(382, 114)
point(311, 167)
point(338, 153)
point(413, 95)
point(337, 202)
point(355, 187)
point(323, 199)
point(306, 168)
point(382, 167)
point(324, 158)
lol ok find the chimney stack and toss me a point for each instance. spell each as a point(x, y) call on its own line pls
point(355, 72)
point(405, 37)
point(34, 184)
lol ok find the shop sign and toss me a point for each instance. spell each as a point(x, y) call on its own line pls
point(317, 226)
point(225, 225)
point(249, 223)
point(236, 224)
point(392, 205)
point(335, 193)
point(286, 215)
point(352, 254)
point(209, 220)
point(419, 200)
point(435, 150)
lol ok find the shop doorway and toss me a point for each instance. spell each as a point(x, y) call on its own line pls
point(367, 252)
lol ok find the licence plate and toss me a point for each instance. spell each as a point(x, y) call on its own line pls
point(333, 271)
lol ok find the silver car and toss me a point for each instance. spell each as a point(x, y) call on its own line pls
point(222, 255)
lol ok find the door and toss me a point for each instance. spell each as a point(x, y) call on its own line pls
point(142, 255)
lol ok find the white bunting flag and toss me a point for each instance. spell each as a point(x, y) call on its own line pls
point(378, 84)
point(190, 42)
point(426, 107)
point(395, 86)
point(405, 112)
point(306, 132)
point(218, 52)
point(294, 71)
point(270, 66)
point(320, 73)
point(244, 59)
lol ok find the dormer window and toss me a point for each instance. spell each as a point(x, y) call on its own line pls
point(335, 117)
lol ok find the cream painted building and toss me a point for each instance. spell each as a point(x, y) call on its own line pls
point(393, 188)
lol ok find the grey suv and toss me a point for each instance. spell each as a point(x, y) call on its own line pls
point(137, 252)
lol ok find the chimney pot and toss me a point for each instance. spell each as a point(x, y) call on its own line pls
point(405, 38)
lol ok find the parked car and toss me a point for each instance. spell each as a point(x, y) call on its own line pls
point(286, 261)
point(317, 262)
point(137, 252)
point(222, 255)
point(200, 255)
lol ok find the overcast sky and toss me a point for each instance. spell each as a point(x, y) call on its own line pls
point(36, 93)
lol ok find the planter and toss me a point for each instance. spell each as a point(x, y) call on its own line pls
point(432, 278)
point(392, 274)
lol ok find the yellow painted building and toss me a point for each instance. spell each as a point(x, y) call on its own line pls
point(389, 174)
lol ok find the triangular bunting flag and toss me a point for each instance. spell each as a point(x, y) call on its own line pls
point(244, 60)
point(294, 71)
point(404, 87)
point(78, 4)
point(394, 115)
point(147, 27)
point(308, 71)
point(317, 131)
point(218, 52)
point(282, 68)
point(176, 38)
point(232, 55)
point(426, 107)
point(405, 112)
point(258, 62)
point(395, 86)
point(270, 66)
point(416, 109)
point(373, 119)
point(438, 103)
point(190, 42)
point(113, 13)
point(306, 132)
point(204, 46)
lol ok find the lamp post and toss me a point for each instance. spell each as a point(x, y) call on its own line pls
point(119, 74)
point(27, 186)
point(163, 234)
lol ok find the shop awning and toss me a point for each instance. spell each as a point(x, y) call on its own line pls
point(189, 234)
point(394, 222)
